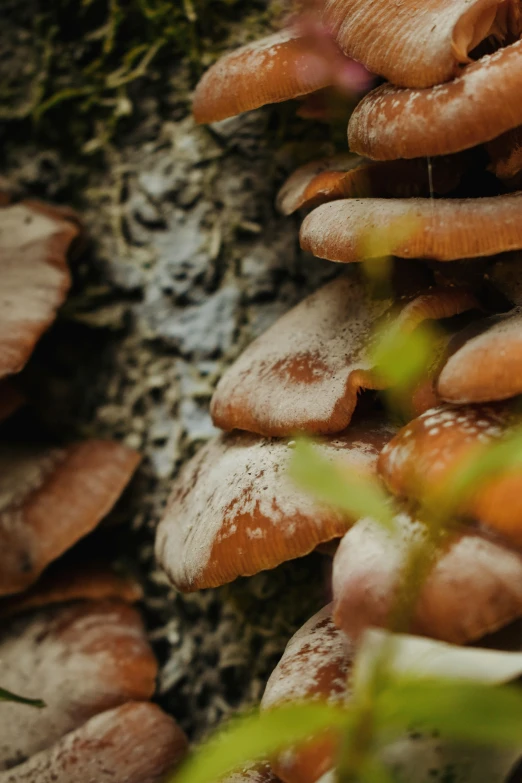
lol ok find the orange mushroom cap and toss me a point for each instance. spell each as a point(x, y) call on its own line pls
point(34, 240)
point(305, 372)
point(61, 584)
point(474, 587)
point(419, 44)
point(350, 176)
point(134, 743)
point(315, 666)
point(56, 496)
point(438, 229)
point(234, 511)
point(277, 68)
point(481, 104)
point(81, 659)
point(419, 459)
point(488, 364)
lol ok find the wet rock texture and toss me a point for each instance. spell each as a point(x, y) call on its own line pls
point(188, 262)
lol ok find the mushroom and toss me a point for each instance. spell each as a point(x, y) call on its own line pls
point(284, 65)
point(315, 666)
point(81, 659)
point(134, 743)
point(60, 584)
point(505, 154)
point(11, 399)
point(479, 105)
point(473, 588)
point(305, 372)
point(34, 240)
point(52, 497)
point(234, 511)
point(438, 229)
point(419, 45)
point(348, 176)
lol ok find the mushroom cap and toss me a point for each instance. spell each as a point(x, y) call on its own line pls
point(488, 364)
point(304, 373)
point(438, 229)
point(417, 44)
point(11, 399)
point(134, 743)
point(350, 176)
point(281, 66)
point(505, 153)
point(474, 588)
point(61, 584)
point(417, 461)
point(481, 104)
point(315, 666)
point(34, 240)
point(234, 511)
point(81, 659)
point(56, 496)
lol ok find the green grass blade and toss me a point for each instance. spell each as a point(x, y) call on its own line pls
point(6, 695)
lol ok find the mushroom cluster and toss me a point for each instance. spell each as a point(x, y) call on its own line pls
point(70, 636)
point(435, 151)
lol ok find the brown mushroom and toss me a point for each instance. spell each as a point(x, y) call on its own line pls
point(305, 372)
point(417, 462)
point(438, 229)
point(234, 511)
point(419, 45)
point(56, 496)
point(486, 361)
point(134, 743)
point(349, 176)
point(277, 68)
point(481, 104)
point(315, 666)
point(34, 240)
point(81, 659)
point(505, 154)
point(11, 399)
point(61, 584)
point(473, 588)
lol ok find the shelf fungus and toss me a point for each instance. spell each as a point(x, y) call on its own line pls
point(34, 242)
point(285, 65)
point(52, 497)
point(420, 44)
point(437, 229)
point(134, 743)
point(315, 666)
point(472, 585)
point(349, 176)
point(476, 107)
point(505, 154)
point(418, 462)
point(306, 371)
point(234, 511)
point(81, 659)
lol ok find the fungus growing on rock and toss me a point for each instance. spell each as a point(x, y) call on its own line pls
point(315, 666)
point(473, 588)
point(81, 659)
point(344, 176)
point(305, 372)
point(34, 240)
point(56, 496)
point(134, 743)
point(234, 511)
point(438, 229)
point(417, 462)
point(284, 65)
point(479, 105)
point(61, 584)
point(419, 45)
